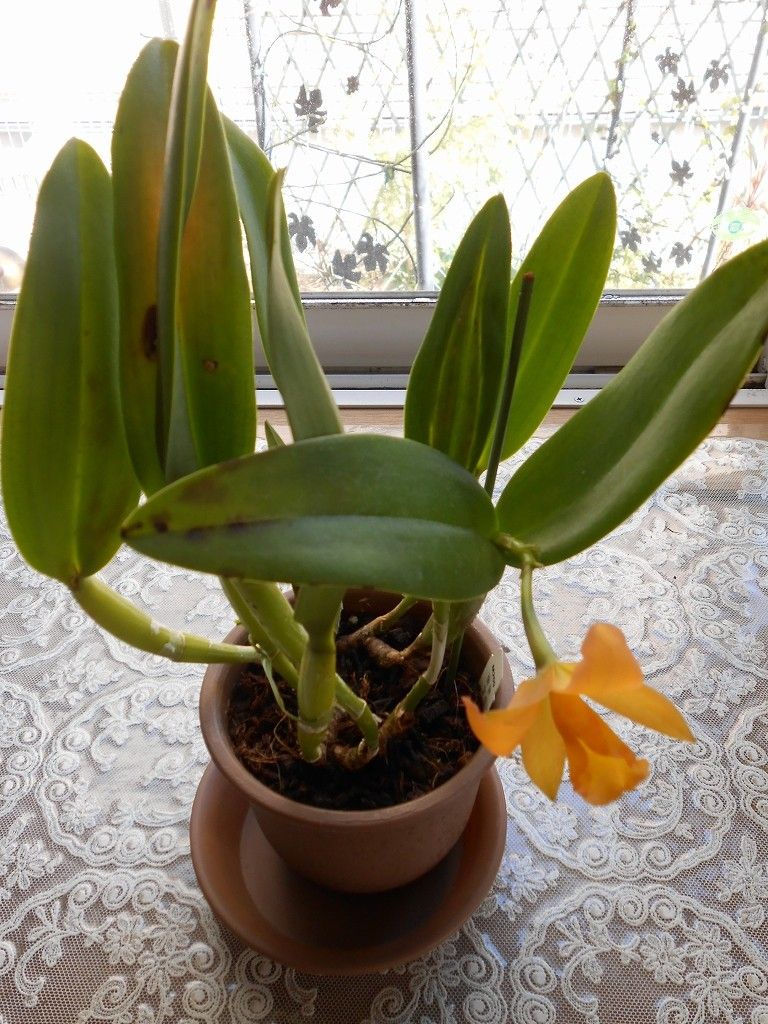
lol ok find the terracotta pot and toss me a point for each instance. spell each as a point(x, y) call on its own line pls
point(355, 851)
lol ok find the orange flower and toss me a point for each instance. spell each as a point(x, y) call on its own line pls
point(551, 722)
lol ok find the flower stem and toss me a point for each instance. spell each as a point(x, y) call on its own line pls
point(540, 648)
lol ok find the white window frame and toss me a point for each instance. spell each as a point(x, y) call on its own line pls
point(345, 328)
point(367, 343)
point(370, 334)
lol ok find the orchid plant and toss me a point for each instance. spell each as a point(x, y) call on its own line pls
point(131, 373)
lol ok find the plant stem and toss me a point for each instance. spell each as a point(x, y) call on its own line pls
point(510, 378)
point(463, 614)
point(355, 706)
point(122, 619)
point(315, 691)
point(516, 553)
point(422, 686)
point(317, 609)
point(359, 711)
point(453, 663)
point(270, 608)
point(540, 648)
point(258, 634)
point(273, 617)
point(378, 625)
point(425, 637)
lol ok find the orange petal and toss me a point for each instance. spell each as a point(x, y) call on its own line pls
point(500, 730)
point(607, 664)
point(600, 779)
point(544, 752)
point(610, 675)
point(647, 706)
point(601, 766)
point(531, 691)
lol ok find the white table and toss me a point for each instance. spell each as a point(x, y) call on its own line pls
point(651, 910)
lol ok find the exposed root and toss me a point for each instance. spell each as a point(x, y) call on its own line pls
point(354, 758)
point(383, 653)
point(420, 645)
point(378, 625)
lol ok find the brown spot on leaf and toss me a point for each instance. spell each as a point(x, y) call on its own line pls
point(209, 365)
point(149, 333)
point(160, 524)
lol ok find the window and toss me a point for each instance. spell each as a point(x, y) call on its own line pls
point(388, 157)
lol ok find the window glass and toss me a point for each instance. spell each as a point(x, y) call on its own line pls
point(388, 159)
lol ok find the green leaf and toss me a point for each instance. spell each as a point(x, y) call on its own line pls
point(569, 261)
point(308, 400)
point(284, 336)
point(183, 150)
point(354, 510)
point(138, 156)
point(602, 464)
point(215, 331)
point(273, 438)
point(454, 383)
point(66, 474)
point(253, 175)
point(309, 403)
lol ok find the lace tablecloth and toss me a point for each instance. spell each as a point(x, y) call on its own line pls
point(651, 910)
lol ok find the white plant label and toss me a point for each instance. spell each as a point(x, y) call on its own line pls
point(490, 680)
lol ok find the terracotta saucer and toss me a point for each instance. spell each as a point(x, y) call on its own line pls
point(303, 925)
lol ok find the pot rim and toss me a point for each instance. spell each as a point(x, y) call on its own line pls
point(216, 736)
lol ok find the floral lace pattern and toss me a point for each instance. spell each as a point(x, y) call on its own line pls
point(101, 919)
